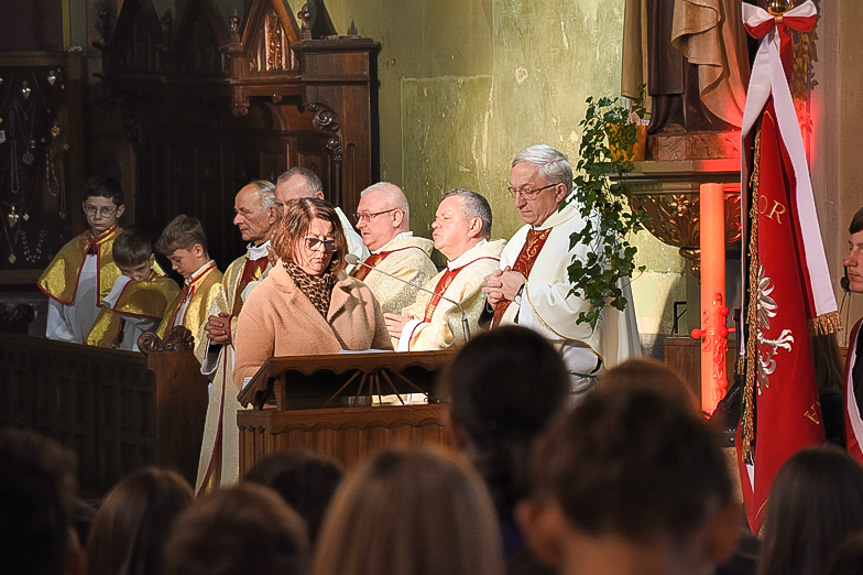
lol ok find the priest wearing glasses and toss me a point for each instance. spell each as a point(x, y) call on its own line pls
point(532, 286)
point(383, 220)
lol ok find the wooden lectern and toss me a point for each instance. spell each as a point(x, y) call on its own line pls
point(341, 406)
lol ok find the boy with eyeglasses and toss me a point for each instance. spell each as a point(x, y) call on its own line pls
point(83, 272)
point(184, 243)
point(139, 298)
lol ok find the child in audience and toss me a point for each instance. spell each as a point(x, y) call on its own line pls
point(815, 504)
point(132, 524)
point(412, 513)
point(246, 529)
point(83, 272)
point(184, 243)
point(631, 482)
point(139, 298)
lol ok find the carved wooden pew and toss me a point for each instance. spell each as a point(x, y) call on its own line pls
point(328, 404)
point(117, 410)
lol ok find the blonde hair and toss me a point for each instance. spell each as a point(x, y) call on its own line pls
point(410, 512)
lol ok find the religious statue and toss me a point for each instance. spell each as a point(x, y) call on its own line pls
point(696, 62)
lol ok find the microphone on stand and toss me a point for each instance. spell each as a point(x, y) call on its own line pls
point(465, 325)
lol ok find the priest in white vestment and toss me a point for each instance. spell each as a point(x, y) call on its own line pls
point(461, 227)
point(532, 286)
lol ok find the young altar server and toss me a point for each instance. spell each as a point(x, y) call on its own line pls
point(139, 298)
point(83, 272)
point(184, 243)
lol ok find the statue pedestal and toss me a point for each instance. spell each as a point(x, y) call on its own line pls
point(668, 192)
point(684, 146)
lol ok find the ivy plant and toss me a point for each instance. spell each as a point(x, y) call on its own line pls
point(607, 134)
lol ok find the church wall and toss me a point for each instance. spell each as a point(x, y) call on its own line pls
point(464, 86)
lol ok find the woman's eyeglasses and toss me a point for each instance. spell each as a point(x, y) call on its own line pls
point(314, 244)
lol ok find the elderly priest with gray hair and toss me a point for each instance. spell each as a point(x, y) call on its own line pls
point(532, 286)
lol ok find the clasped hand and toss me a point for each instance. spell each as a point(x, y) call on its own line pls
point(218, 328)
point(502, 285)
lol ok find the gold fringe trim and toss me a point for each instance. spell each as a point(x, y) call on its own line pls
point(748, 418)
point(825, 324)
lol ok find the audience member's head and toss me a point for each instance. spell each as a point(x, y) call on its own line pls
point(133, 254)
point(630, 482)
point(133, 522)
point(503, 386)
point(815, 504)
point(411, 513)
point(37, 480)
point(646, 373)
point(305, 481)
point(244, 529)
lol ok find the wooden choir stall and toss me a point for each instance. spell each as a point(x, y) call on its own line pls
point(116, 410)
point(341, 406)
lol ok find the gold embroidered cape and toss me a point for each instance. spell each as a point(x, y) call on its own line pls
point(142, 299)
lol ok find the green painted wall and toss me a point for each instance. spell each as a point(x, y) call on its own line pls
point(465, 85)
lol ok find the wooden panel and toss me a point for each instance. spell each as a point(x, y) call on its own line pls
point(343, 434)
point(118, 410)
point(684, 355)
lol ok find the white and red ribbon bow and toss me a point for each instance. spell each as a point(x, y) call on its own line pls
point(768, 79)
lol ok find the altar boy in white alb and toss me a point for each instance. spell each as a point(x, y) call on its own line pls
point(532, 285)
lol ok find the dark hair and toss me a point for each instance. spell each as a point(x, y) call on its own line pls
point(37, 480)
point(299, 213)
point(856, 222)
point(104, 187)
point(305, 481)
point(848, 558)
point(245, 529)
point(132, 524)
point(313, 182)
point(182, 233)
point(504, 386)
point(473, 205)
point(816, 502)
point(132, 248)
point(633, 463)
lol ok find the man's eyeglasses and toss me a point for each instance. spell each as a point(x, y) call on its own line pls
point(369, 217)
point(105, 212)
point(528, 194)
point(314, 244)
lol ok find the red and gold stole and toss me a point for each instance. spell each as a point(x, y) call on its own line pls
point(443, 284)
point(523, 264)
point(252, 272)
point(360, 272)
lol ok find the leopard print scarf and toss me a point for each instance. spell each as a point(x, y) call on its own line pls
point(318, 289)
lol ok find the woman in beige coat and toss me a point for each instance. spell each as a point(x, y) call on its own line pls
point(307, 305)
